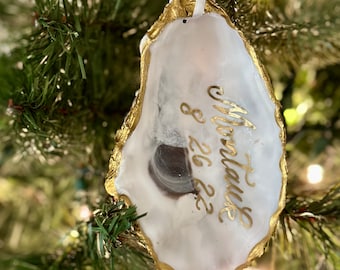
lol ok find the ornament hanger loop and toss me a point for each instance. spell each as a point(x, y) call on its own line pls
point(199, 7)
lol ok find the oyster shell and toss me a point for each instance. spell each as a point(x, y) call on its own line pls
point(202, 149)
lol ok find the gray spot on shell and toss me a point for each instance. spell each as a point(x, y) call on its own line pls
point(171, 170)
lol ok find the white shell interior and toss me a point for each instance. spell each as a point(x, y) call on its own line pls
point(187, 58)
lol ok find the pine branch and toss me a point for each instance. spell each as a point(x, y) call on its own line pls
point(108, 241)
point(308, 230)
point(76, 83)
point(294, 32)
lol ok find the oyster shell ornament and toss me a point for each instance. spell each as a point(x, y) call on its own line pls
point(202, 148)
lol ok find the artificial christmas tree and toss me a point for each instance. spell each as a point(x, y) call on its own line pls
point(68, 73)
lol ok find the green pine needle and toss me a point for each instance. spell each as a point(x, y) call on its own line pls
point(107, 241)
point(293, 32)
point(311, 226)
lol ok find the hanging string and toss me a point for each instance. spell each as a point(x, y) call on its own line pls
point(199, 7)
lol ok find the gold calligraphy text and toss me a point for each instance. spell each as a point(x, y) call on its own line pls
point(231, 115)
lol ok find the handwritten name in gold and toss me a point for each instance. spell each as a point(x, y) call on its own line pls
point(230, 116)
